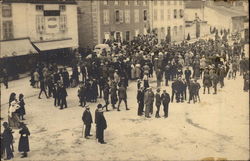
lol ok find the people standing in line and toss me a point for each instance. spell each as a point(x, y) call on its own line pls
point(101, 125)
point(42, 89)
point(165, 98)
point(87, 120)
point(140, 101)
point(122, 95)
point(157, 102)
point(21, 110)
point(23, 145)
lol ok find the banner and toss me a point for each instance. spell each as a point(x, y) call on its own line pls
point(52, 24)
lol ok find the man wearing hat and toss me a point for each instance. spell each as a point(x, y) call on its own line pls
point(87, 120)
point(148, 101)
point(7, 141)
point(122, 94)
point(165, 98)
point(101, 125)
point(157, 102)
point(99, 106)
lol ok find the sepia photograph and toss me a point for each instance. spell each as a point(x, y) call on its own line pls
point(120, 80)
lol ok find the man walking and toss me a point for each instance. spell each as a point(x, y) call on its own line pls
point(122, 94)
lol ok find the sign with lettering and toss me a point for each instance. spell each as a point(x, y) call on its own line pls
point(52, 24)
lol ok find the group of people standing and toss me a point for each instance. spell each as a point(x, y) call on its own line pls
point(16, 114)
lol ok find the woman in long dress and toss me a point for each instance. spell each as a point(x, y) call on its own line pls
point(13, 118)
point(23, 145)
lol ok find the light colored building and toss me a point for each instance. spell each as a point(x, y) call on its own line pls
point(167, 19)
point(41, 24)
point(99, 21)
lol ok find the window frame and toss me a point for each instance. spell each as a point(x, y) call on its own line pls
point(39, 9)
point(6, 8)
point(8, 32)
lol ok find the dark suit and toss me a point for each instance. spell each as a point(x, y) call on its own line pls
point(165, 98)
point(87, 119)
point(101, 125)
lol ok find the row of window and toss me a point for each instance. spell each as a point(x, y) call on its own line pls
point(40, 23)
point(168, 2)
point(162, 15)
point(174, 32)
point(126, 2)
point(124, 16)
point(62, 8)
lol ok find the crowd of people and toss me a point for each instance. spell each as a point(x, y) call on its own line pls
point(107, 76)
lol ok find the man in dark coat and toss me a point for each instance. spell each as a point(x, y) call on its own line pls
point(165, 98)
point(7, 141)
point(113, 95)
point(167, 74)
point(187, 74)
point(87, 120)
point(55, 91)
point(215, 80)
point(106, 96)
point(62, 95)
point(23, 145)
point(99, 106)
point(206, 82)
point(122, 94)
point(191, 89)
point(140, 101)
point(174, 90)
point(157, 103)
point(101, 125)
point(82, 94)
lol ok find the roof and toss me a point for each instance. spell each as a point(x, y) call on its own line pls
point(16, 47)
point(42, 1)
point(229, 11)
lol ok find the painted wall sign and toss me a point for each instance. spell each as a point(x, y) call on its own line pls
point(52, 24)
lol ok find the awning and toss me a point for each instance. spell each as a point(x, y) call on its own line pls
point(17, 47)
point(55, 44)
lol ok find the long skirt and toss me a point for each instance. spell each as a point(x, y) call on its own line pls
point(14, 121)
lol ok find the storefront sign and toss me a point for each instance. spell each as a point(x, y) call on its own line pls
point(52, 24)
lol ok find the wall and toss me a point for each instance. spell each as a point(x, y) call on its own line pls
point(166, 22)
point(123, 27)
point(190, 14)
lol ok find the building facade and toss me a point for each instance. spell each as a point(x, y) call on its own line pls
point(168, 19)
point(46, 24)
point(117, 19)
